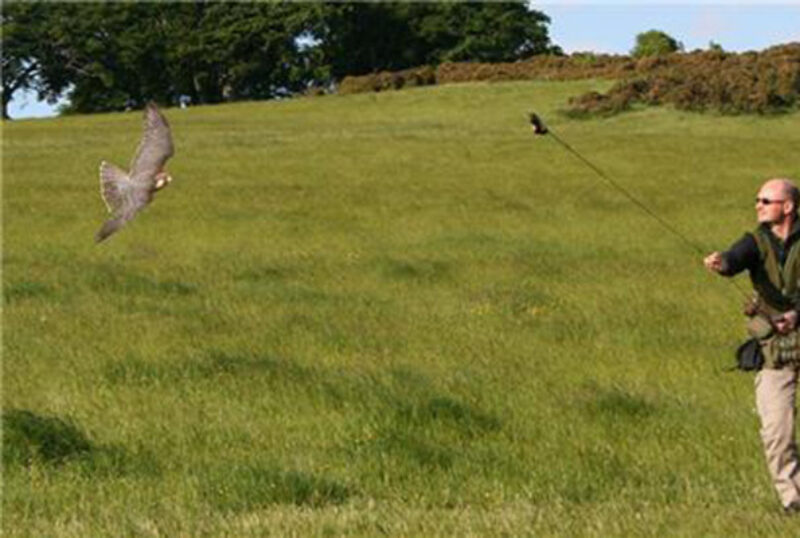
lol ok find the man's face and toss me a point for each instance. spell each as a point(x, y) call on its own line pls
point(771, 204)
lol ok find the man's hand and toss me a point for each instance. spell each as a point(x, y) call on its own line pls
point(713, 262)
point(787, 322)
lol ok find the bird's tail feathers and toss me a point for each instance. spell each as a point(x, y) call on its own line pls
point(108, 228)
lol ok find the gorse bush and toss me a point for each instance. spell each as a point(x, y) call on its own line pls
point(386, 80)
point(550, 67)
point(730, 83)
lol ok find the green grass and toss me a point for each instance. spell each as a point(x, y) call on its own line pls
point(391, 313)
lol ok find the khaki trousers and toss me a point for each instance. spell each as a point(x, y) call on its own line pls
point(775, 401)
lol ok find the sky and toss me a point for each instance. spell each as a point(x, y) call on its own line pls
point(612, 28)
point(604, 27)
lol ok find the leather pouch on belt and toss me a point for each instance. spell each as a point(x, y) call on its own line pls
point(759, 327)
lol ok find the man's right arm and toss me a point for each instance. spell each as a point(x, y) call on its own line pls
point(742, 255)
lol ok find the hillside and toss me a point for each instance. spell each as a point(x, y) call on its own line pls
point(395, 313)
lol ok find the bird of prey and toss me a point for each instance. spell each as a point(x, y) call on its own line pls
point(538, 125)
point(125, 194)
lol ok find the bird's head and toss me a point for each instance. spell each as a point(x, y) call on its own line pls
point(162, 180)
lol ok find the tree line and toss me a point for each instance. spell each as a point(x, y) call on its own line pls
point(109, 56)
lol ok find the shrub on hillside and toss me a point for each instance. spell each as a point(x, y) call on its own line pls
point(387, 80)
point(729, 83)
point(542, 67)
point(701, 80)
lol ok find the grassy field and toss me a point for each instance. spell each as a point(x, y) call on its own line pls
point(395, 314)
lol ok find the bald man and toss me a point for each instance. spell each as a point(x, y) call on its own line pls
point(771, 254)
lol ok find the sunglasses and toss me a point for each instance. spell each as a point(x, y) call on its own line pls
point(767, 201)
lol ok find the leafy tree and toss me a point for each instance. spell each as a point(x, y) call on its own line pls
point(655, 43)
point(22, 54)
point(105, 54)
point(482, 32)
point(114, 54)
point(18, 62)
point(359, 38)
point(111, 55)
point(224, 51)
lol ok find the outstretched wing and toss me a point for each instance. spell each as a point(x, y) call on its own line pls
point(123, 197)
point(112, 186)
point(154, 149)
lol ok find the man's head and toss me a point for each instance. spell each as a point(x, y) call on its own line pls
point(777, 201)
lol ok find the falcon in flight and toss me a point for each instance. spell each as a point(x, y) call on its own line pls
point(125, 194)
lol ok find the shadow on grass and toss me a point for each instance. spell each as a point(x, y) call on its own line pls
point(615, 404)
point(423, 452)
point(214, 365)
point(54, 442)
point(419, 271)
point(247, 487)
point(413, 423)
point(410, 397)
point(445, 411)
point(603, 468)
point(266, 274)
point(19, 291)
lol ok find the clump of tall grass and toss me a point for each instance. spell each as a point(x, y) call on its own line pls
point(53, 443)
point(244, 488)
